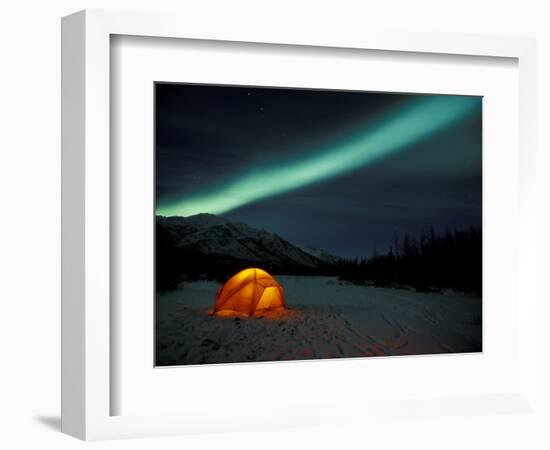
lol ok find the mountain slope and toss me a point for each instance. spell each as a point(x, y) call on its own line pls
point(210, 244)
point(321, 254)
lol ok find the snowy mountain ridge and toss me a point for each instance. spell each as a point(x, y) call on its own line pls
point(226, 242)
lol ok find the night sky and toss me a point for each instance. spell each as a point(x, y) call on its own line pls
point(335, 170)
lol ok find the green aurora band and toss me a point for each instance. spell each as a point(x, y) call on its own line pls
point(419, 120)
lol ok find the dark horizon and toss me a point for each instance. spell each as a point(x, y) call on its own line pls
point(207, 136)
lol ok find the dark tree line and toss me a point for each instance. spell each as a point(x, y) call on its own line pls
point(432, 261)
point(452, 259)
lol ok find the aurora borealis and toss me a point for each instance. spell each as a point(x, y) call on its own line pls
point(275, 157)
point(424, 117)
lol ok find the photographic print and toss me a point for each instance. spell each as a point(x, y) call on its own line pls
point(299, 224)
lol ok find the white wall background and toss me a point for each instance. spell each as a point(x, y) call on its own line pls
point(30, 198)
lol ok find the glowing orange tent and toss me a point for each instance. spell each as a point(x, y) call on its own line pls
point(249, 292)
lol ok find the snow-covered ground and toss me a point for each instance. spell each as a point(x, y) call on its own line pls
point(326, 319)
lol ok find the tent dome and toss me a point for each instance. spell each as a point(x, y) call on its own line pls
point(249, 292)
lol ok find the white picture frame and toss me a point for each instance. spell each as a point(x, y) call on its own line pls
point(86, 216)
